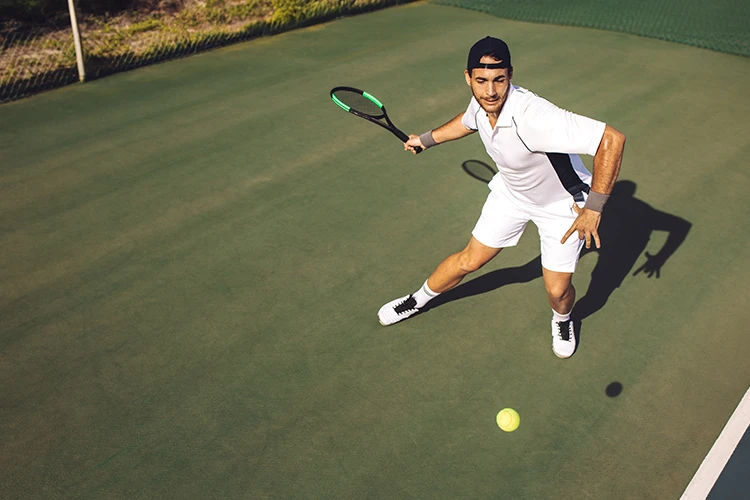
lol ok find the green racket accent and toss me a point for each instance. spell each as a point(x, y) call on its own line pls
point(341, 104)
point(366, 106)
point(373, 99)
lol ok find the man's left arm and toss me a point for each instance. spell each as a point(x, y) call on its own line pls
point(607, 161)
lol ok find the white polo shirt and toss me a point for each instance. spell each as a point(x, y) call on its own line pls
point(535, 146)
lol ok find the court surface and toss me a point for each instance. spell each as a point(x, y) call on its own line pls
point(193, 254)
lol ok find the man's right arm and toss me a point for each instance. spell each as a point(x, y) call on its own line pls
point(451, 131)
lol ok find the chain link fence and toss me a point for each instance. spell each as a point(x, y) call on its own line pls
point(720, 25)
point(39, 57)
point(35, 58)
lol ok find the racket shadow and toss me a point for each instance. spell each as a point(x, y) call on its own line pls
point(479, 170)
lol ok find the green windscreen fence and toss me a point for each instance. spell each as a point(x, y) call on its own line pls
point(722, 25)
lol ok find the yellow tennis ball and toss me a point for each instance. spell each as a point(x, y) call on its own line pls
point(508, 419)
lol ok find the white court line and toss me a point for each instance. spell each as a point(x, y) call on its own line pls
point(710, 470)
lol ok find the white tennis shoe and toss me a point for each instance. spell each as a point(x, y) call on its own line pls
point(563, 339)
point(397, 310)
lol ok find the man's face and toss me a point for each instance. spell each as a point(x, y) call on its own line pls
point(489, 86)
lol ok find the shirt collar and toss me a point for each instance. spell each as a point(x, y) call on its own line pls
point(505, 119)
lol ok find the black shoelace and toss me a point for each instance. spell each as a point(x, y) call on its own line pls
point(564, 330)
point(407, 305)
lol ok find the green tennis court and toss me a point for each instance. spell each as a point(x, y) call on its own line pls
point(193, 255)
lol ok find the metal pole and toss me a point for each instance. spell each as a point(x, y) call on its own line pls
point(77, 40)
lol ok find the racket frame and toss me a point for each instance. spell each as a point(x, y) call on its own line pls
point(374, 119)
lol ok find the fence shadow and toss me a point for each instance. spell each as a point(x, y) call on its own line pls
point(625, 230)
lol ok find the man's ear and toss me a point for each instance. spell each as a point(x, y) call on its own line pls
point(467, 75)
point(510, 73)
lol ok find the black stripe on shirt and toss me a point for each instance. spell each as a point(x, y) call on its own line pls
point(567, 175)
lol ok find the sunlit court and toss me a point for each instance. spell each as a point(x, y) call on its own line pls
point(194, 253)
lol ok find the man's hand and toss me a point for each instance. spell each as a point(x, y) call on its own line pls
point(413, 143)
point(587, 224)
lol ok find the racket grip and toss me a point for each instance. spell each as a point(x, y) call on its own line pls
point(405, 138)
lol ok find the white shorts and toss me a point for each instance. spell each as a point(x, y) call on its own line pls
point(504, 219)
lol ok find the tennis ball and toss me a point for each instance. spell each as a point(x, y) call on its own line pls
point(508, 419)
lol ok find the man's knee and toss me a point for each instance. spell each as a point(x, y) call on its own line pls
point(471, 261)
point(559, 289)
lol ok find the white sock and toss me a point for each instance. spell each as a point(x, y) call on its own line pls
point(560, 317)
point(424, 295)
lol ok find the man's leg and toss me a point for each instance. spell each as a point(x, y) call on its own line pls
point(561, 293)
point(559, 261)
point(561, 296)
point(448, 274)
point(452, 270)
point(500, 225)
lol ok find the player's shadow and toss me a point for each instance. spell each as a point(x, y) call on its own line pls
point(625, 230)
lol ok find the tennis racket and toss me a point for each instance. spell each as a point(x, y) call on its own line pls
point(360, 103)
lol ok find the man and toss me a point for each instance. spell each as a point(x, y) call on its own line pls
point(540, 178)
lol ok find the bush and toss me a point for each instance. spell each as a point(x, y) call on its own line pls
point(287, 12)
point(44, 10)
point(31, 10)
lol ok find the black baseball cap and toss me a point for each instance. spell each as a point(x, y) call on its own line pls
point(489, 46)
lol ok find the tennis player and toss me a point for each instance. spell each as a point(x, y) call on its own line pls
point(540, 178)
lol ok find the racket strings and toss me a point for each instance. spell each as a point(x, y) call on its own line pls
point(359, 103)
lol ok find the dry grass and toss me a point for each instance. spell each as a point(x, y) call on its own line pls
point(44, 56)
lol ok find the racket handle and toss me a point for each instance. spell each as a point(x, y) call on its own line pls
point(405, 138)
